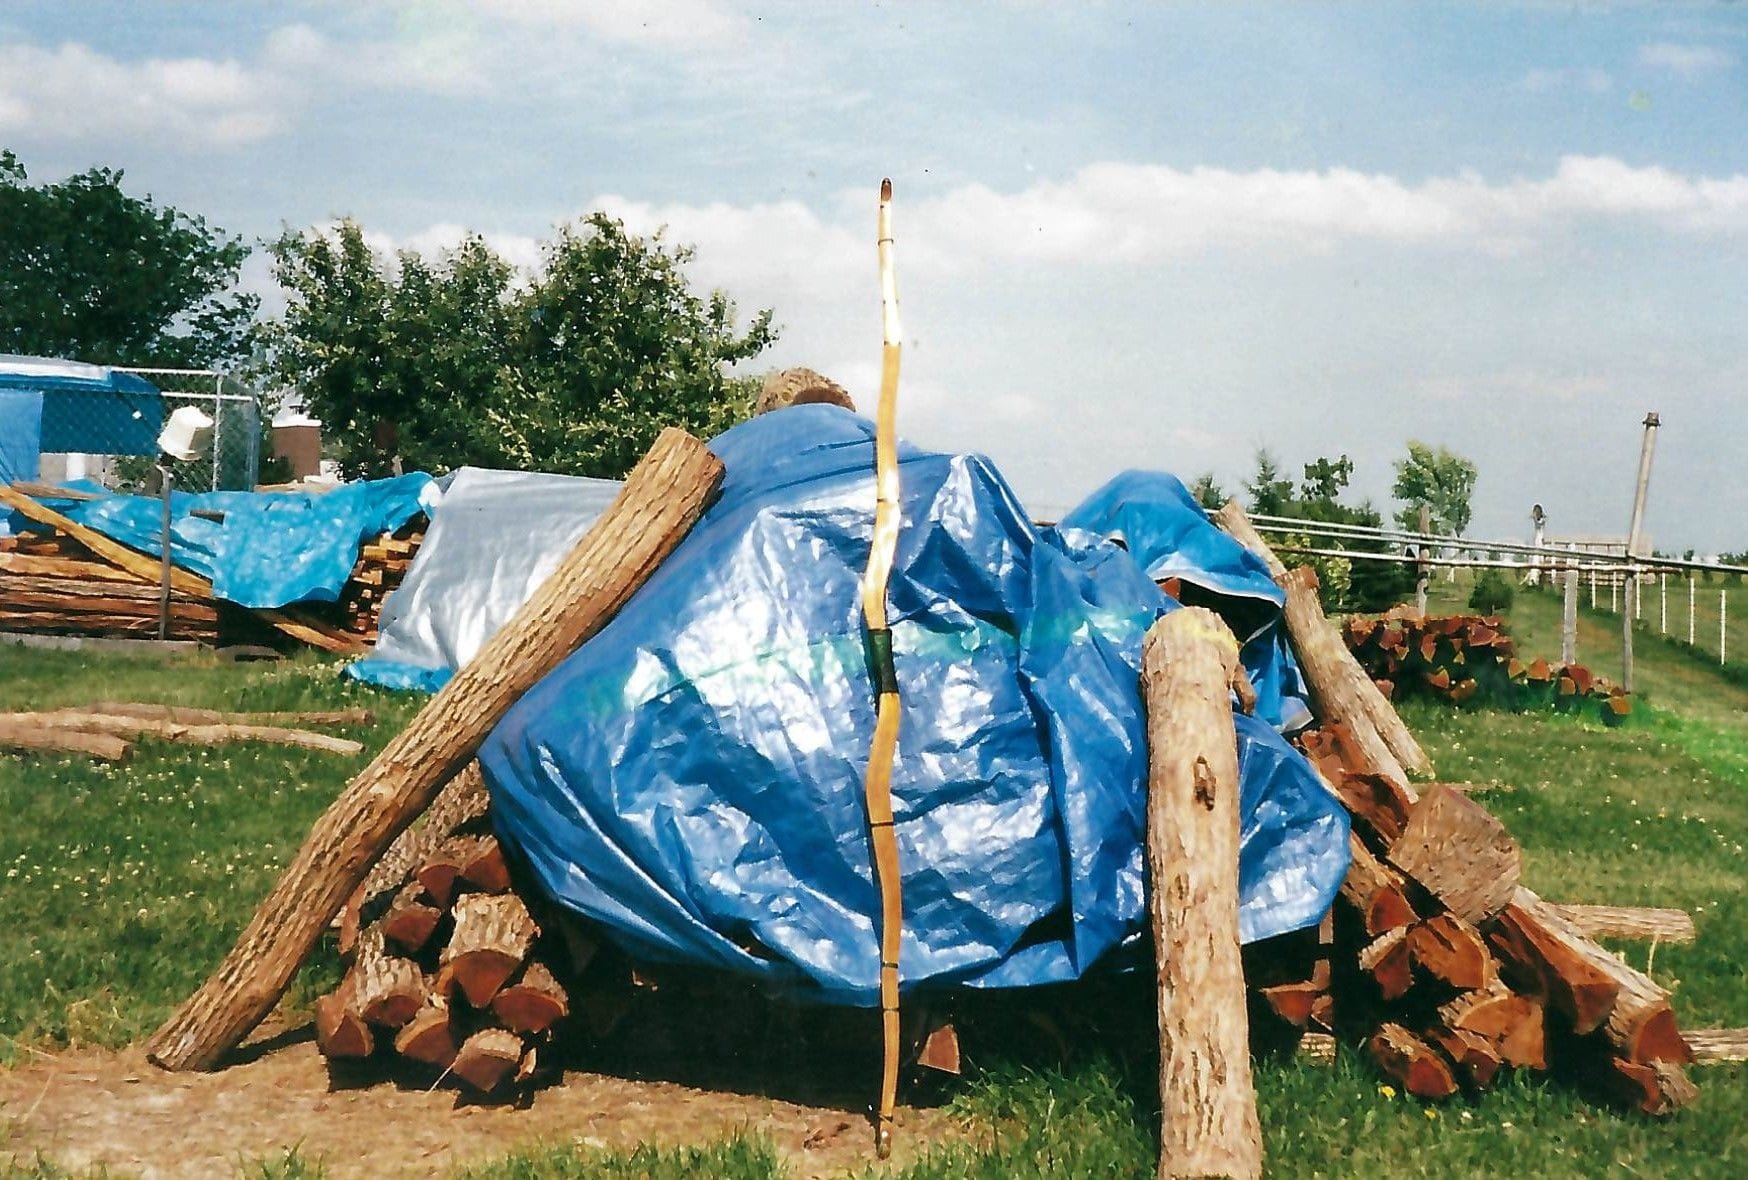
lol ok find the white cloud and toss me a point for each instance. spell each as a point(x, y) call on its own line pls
point(78, 93)
point(1687, 60)
point(437, 59)
point(659, 22)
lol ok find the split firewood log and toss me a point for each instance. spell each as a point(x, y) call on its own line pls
point(1457, 851)
point(1512, 1024)
point(340, 1031)
point(1477, 1059)
point(1451, 951)
point(493, 935)
point(386, 990)
point(487, 1058)
point(430, 1036)
point(1376, 890)
point(1388, 961)
point(532, 1003)
point(1413, 1064)
point(411, 920)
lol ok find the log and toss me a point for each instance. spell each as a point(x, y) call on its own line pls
point(1338, 681)
point(1458, 852)
point(534, 1002)
point(1640, 1022)
point(385, 989)
point(1208, 1119)
point(1381, 806)
point(1630, 922)
point(190, 735)
point(1710, 1045)
point(1545, 962)
point(1652, 1087)
point(940, 1051)
point(339, 1031)
point(1512, 1024)
point(663, 497)
point(1376, 890)
point(485, 868)
point(185, 715)
point(487, 1058)
point(1413, 1064)
point(1317, 1048)
point(1451, 951)
point(430, 1036)
point(411, 921)
point(1477, 1060)
point(150, 569)
point(493, 934)
point(1296, 1002)
point(441, 870)
point(35, 739)
point(1388, 961)
point(50, 566)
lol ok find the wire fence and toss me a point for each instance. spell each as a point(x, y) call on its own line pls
point(1689, 608)
point(111, 436)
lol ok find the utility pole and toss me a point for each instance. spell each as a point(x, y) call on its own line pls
point(1633, 530)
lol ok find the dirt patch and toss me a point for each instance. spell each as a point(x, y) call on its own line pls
point(85, 1108)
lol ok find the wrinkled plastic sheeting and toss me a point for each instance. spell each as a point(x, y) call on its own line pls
point(495, 537)
point(692, 777)
point(271, 548)
point(1169, 535)
point(20, 437)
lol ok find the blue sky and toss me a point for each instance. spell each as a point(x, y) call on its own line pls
point(1127, 235)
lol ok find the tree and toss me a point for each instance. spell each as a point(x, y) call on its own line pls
point(1208, 492)
point(1440, 480)
point(1344, 583)
point(90, 273)
point(1270, 493)
point(447, 361)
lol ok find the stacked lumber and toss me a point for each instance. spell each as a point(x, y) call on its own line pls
point(1462, 658)
point(50, 585)
point(447, 968)
point(382, 564)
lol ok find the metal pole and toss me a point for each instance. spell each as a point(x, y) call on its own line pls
point(169, 481)
point(1634, 531)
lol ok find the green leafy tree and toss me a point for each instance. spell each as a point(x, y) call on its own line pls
point(446, 361)
point(1439, 479)
point(1271, 493)
point(1208, 492)
point(1345, 584)
point(91, 273)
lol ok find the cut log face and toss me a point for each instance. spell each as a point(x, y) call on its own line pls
point(484, 867)
point(534, 1003)
point(1513, 1024)
point(1416, 1066)
point(1458, 852)
point(1548, 962)
point(430, 1036)
point(487, 1058)
point(1477, 1060)
point(1209, 1123)
point(940, 1051)
point(493, 935)
point(1387, 960)
point(411, 921)
point(1376, 890)
point(341, 1033)
point(1452, 952)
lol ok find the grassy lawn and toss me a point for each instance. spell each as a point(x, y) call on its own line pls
point(123, 886)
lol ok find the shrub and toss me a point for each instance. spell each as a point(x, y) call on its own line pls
point(1492, 594)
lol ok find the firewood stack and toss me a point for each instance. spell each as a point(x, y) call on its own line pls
point(447, 965)
point(382, 564)
point(51, 585)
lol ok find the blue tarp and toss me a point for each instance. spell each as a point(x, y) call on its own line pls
point(692, 777)
point(20, 434)
point(1169, 535)
point(270, 549)
point(89, 409)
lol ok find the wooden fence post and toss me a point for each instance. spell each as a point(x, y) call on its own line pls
point(1723, 611)
point(1569, 620)
point(1208, 1119)
point(1691, 583)
point(1662, 603)
point(1423, 572)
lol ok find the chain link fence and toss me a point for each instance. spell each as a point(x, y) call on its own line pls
point(116, 432)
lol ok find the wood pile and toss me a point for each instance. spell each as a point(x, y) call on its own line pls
point(51, 585)
point(382, 564)
point(447, 966)
point(1462, 658)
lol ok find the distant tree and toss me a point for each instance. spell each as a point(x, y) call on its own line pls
point(90, 273)
point(436, 363)
point(1208, 493)
point(1439, 479)
point(1271, 493)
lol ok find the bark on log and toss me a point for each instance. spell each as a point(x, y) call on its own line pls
point(149, 569)
point(663, 497)
point(1717, 1044)
point(1378, 892)
point(1209, 1123)
point(1317, 1048)
point(487, 1058)
point(533, 1003)
point(192, 735)
point(1342, 678)
point(186, 715)
point(1458, 852)
point(1416, 1066)
point(385, 989)
point(1646, 923)
point(493, 934)
point(36, 739)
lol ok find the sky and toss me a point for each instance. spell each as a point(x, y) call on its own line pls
point(1126, 235)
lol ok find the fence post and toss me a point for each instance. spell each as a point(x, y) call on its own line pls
point(1423, 572)
point(1691, 583)
point(1722, 610)
point(1593, 589)
point(1630, 608)
point(1614, 595)
point(1662, 603)
point(1569, 620)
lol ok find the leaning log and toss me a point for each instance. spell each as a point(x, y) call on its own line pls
point(663, 497)
point(1341, 690)
point(1208, 1116)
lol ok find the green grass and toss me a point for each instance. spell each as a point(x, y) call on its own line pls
point(160, 862)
